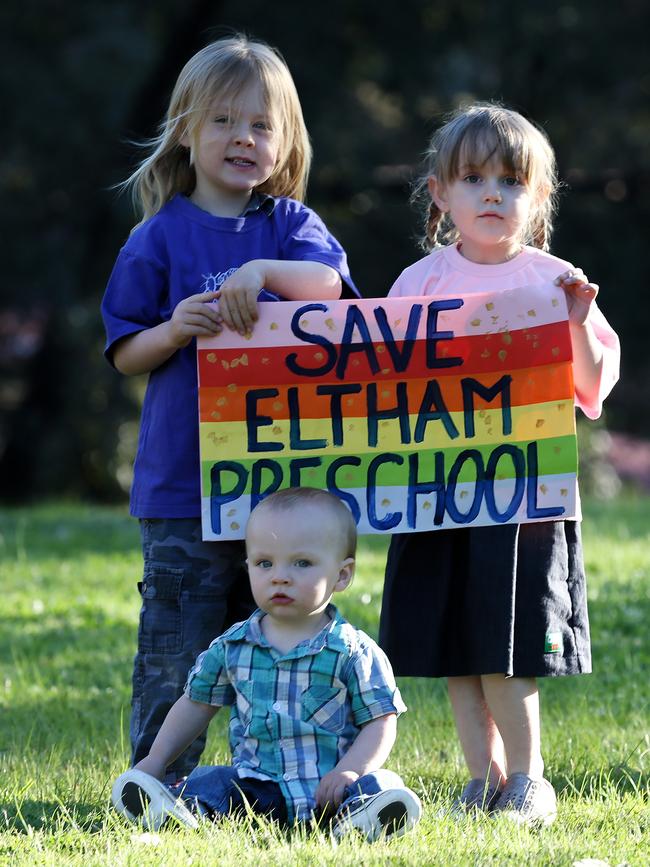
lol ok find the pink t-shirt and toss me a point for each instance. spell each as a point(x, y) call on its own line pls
point(445, 272)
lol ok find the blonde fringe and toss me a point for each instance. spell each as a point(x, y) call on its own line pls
point(167, 169)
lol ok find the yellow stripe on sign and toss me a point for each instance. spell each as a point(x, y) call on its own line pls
point(228, 440)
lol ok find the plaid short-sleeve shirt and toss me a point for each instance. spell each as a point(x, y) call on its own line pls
point(294, 715)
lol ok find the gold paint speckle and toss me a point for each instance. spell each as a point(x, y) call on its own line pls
point(507, 338)
point(273, 326)
point(463, 494)
point(502, 354)
point(232, 387)
point(539, 422)
point(225, 364)
point(489, 305)
point(222, 401)
point(215, 415)
point(564, 492)
point(266, 360)
point(232, 512)
point(277, 430)
point(318, 356)
point(486, 353)
point(211, 357)
point(234, 526)
point(555, 351)
point(385, 502)
point(330, 324)
point(243, 360)
point(381, 348)
point(426, 504)
point(543, 489)
point(532, 313)
point(277, 406)
point(475, 322)
point(304, 323)
point(554, 302)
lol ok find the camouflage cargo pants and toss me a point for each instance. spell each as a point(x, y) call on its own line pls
point(191, 591)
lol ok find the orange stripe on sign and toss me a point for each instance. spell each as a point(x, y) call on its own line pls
point(529, 386)
point(487, 353)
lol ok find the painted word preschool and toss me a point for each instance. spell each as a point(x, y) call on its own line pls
point(420, 413)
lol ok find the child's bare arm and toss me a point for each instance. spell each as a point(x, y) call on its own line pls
point(295, 281)
point(368, 753)
point(193, 317)
point(587, 349)
point(183, 724)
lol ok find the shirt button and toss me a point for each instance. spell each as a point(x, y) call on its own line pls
point(277, 706)
point(287, 777)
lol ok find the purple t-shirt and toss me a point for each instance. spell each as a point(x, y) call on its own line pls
point(180, 251)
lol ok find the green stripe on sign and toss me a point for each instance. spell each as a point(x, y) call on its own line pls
point(557, 456)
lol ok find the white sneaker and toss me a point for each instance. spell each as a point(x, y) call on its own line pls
point(390, 813)
point(139, 797)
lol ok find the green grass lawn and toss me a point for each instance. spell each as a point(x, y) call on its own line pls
point(69, 609)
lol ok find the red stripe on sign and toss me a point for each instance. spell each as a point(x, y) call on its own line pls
point(487, 353)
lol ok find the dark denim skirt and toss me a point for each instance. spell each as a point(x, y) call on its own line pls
point(505, 599)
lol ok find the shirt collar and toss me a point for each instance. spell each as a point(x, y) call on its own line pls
point(259, 202)
point(251, 630)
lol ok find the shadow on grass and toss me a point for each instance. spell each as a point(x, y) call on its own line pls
point(26, 816)
point(618, 778)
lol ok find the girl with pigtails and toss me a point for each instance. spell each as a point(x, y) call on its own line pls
point(494, 608)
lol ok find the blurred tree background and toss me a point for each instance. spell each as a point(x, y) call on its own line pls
point(79, 81)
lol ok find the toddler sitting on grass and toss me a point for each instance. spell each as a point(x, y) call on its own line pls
point(313, 700)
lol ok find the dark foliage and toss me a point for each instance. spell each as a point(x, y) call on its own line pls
point(81, 80)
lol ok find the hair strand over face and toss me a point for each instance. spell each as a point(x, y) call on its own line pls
point(222, 71)
point(472, 137)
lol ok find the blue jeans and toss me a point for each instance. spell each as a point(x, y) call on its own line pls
point(220, 791)
point(191, 592)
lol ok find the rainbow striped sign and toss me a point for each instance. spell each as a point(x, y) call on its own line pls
point(420, 413)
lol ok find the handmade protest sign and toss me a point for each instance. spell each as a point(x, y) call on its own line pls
point(420, 413)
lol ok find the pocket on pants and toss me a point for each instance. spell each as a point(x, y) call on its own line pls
point(160, 628)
